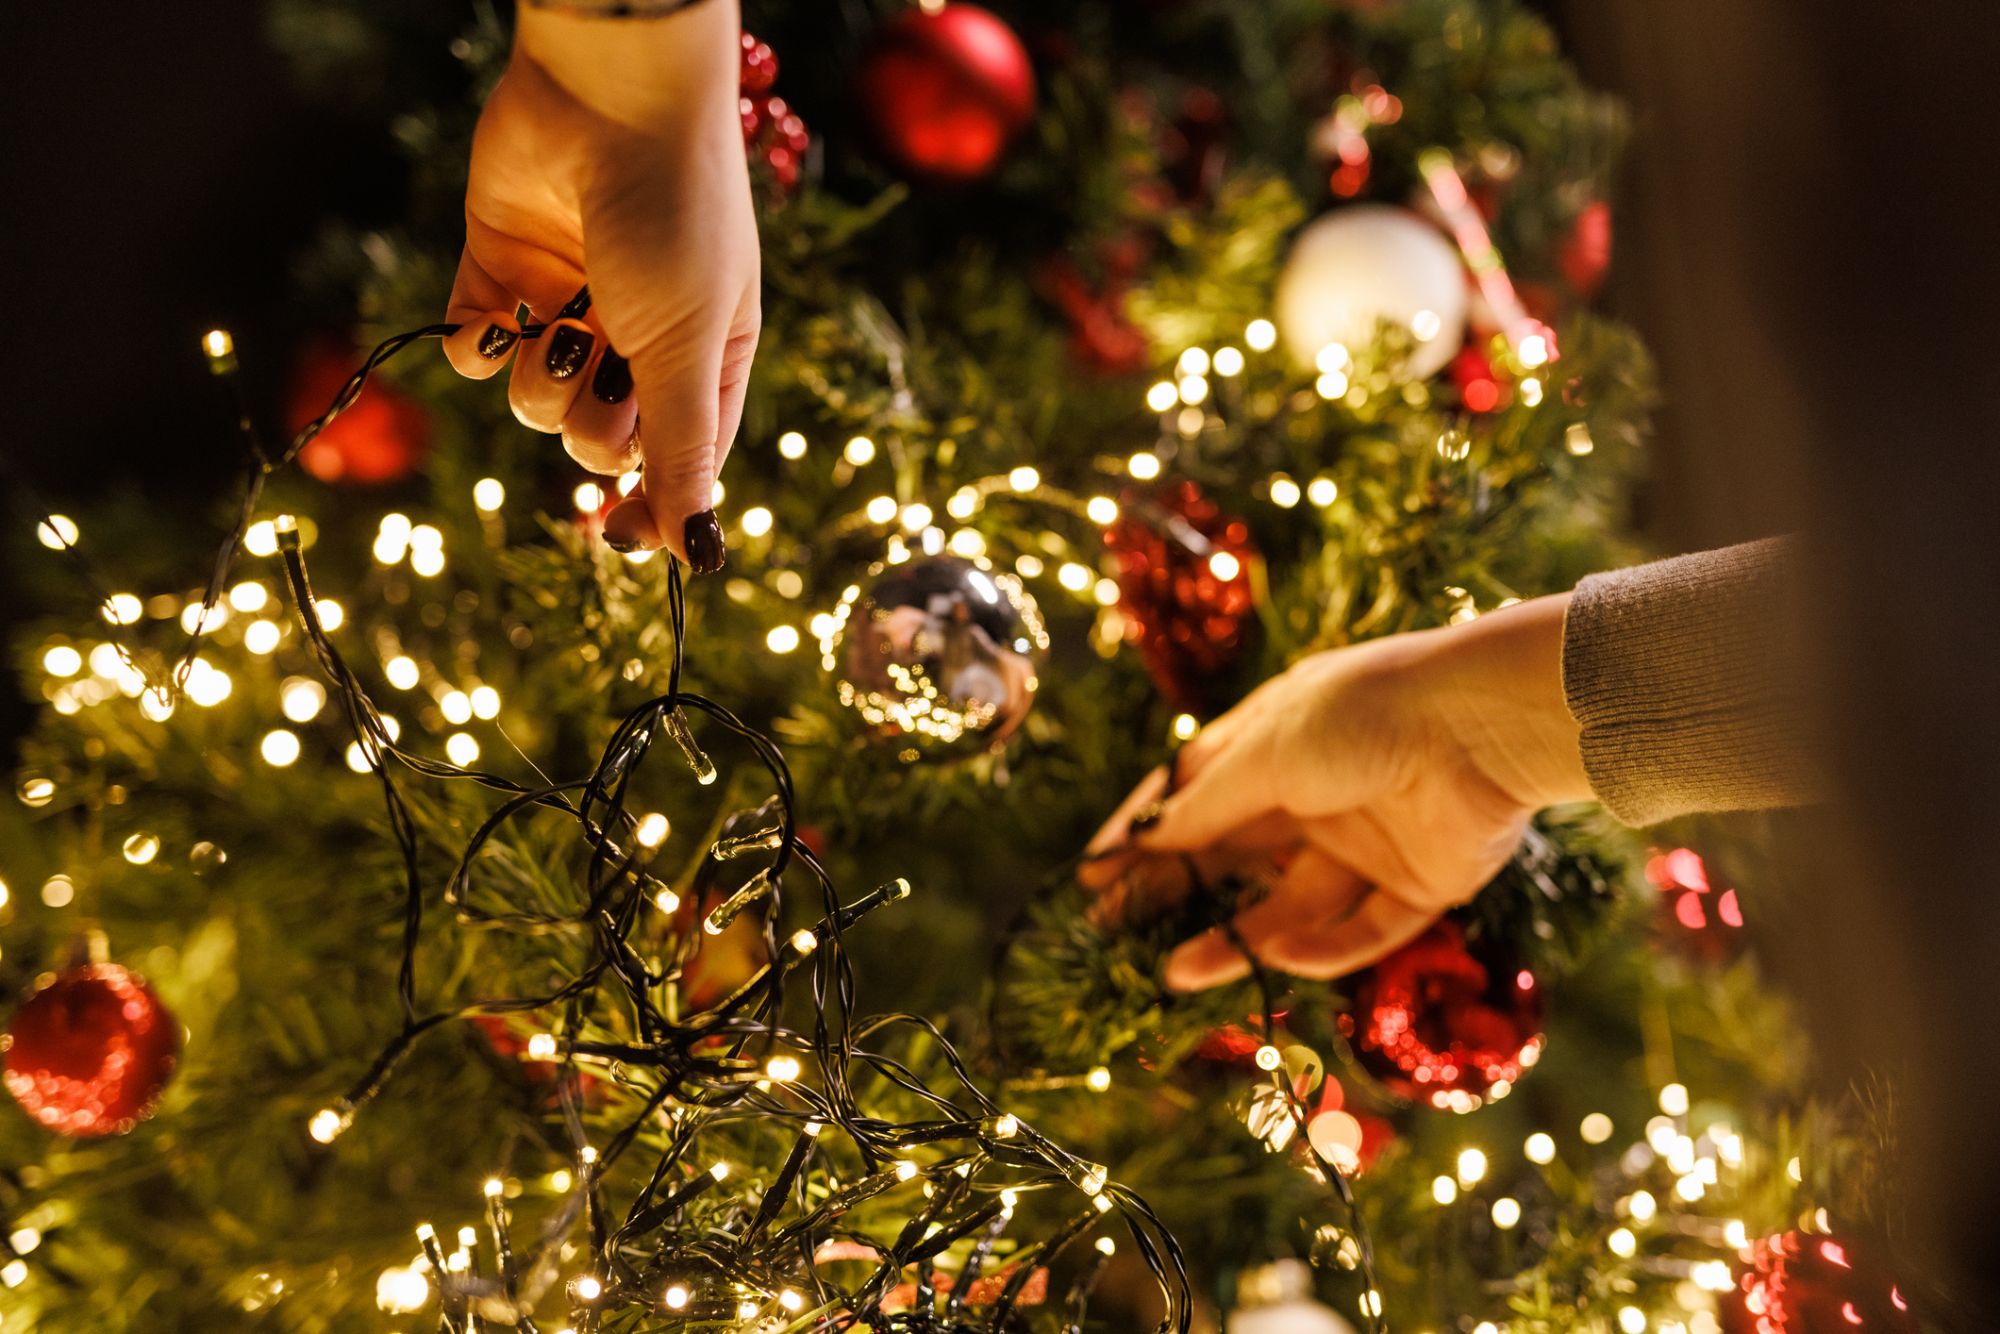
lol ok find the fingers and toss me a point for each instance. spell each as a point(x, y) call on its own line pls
point(484, 311)
point(1311, 889)
point(1339, 946)
point(602, 429)
point(679, 414)
point(548, 377)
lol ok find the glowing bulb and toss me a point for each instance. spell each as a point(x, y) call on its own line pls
point(14, 1273)
point(1642, 1206)
point(427, 562)
point(56, 531)
point(279, 748)
point(905, 1170)
point(1228, 362)
point(62, 660)
point(792, 445)
point(1098, 1080)
point(1224, 566)
point(301, 699)
point(588, 1288)
point(1331, 386)
point(1024, 478)
point(756, 521)
point(218, 344)
point(1144, 465)
point(782, 638)
point(916, 518)
point(881, 509)
point(1285, 492)
point(542, 1047)
point(1101, 509)
point(461, 749)
point(1674, 1100)
point(784, 1069)
point(142, 848)
point(403, 672)
point(1533, 352)
point(1471, 1167)
point(666, 900)
point(456, 706)
point(860, 451)
point(1322, 491)
point(401, 1291)
point(58, 891)
point(1425, 324)
point(261, 538)
point(791, 1301)
point(588, 498)
point(675, 1297)
point(25, 1240)
point(1576, 439)
point(1194, 361)
point(488, 494)
point(1506, 1212)
point(1105, 592)
point(1596, 1128)
point(1162, 396)
point(331, 615)
point(1631, 1320)
point(746, 1310)
point(1540, 1148)
point(1106, 1246)
point(1261, 335)
point(1193, 389)
point(485, 702)
point(1622, 1243)
point(248, 596)
point(964, 503)
point(652, 830)
point(1444, 1190)
point(1006, 1126)
point(326, 1125)
point(121, 609)
point(1076, 578)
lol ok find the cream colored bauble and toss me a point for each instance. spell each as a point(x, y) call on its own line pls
point(1277, 1298)
point(1368, 263)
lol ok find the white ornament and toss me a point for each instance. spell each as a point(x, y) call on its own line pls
point(1277, 1299)
point(1368, 263)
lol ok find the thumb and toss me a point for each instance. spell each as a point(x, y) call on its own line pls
point(678, 418)
point(483, 309)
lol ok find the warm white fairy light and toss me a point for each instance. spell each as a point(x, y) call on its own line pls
point(1224, 566)
point(1024, 478)
point(1622, 1243)
point(62, 660)
point(675, 1297)
point(588, 497)
point(804, 942)
point(141, 848)
point(197, 619)
point(542, 1047)
point(105, 661)
point(792, 445)
point(301, 699)
point(1285, 493)
point(456, 706)
point(783, 1069)
point(1471, 1167)
point(401, 1291)
point(1444, 1190)
point(782, 638)
point(1641, 1206)
point(157, 703)
point(1105, 592)
point(485, 702)
point(1228, 362)
point(331, 614)
point(1534, 350)
point(905, 1170)
point(1576, 439)
point(122, 609)
point(14, 1273)
point(1193, 390)
point(1661, 1133)
point(57, 531)
point(1540, 1148)
point(1531, 392)
point(489, 494)
point(461, 748)
point(326, 1125)
point(1690, 1188)
point(1322, 491)
point(587, 1288)
point(249, 596)
point(1261, 335)
point(279, 748)
point(427, 562)
point(1162, 396)
point(859, 451)
point(1631, 1320)
point(968, 542)
point(357, 758)
point(1596, 1128)
point(716, 492)
point(1098, 1080)
point(1076, 578)
point(652, 830)
point(58, 891)
point(1030, 566)
point(791, 1301)
point(261, 538)
point(37, 792)
point(1506, 1212)
point(24, 1240)
point(1331, 386)
point(881, 509)
point(1144, 465)
point(1674, 1100)
point(1734, 1232)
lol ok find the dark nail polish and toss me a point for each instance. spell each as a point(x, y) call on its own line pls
point(569, 348)
point(613, 381)
point(703, 536)
point(578, 305)
point(1147, 818)
point(497, 339)
point(624, 546)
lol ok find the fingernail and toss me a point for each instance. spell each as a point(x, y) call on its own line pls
point(613, 381)
point(578, 305)
point(703, 536)
point(498, 338)
point(569, 348)
point(1147, 818)
point(629, 528)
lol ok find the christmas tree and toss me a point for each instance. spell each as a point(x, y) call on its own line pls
point(436, 920)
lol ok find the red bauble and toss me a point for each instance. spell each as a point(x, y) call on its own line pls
point(1479, 388)
point(381, 438)
point(945, 93)
point(1184, 586)
point(88, 1054)
point(1802, 1284)
point(772, 132)
point(1585, 254)
point(1435, 1024)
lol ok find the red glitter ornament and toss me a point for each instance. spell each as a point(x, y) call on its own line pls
point(382, 438)
point(1184, 587)
point(1802, 1284)
point(89, 1053)
point(946, 92)
point(1435, 1024)
point(772, 132)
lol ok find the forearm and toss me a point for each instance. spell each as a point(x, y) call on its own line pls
point(655, 68)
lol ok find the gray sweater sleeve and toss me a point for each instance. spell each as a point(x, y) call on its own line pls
point(1685, 678)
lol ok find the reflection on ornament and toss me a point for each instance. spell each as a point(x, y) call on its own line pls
point(1186, 591)
point(945, 90)
point(1360, 267)
point(940, 649)
point(89, 1053)
point(1435, 1024)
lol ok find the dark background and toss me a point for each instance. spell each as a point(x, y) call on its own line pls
point(1805, 237)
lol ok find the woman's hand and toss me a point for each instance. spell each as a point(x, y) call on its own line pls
point(1373, 787)
point(611, 151)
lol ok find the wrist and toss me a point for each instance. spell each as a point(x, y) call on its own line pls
point(1499, 686)
point(647, 73)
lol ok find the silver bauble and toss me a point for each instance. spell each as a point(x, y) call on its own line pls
point(937, 650)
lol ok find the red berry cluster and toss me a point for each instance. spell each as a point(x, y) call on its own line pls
point(772, 131)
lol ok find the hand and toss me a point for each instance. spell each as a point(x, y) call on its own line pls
point(611, 151)
point(1373, 787)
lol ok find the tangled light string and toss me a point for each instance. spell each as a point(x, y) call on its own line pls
point(754, 1267)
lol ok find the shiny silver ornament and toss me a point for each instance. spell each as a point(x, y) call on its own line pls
point(937, 650)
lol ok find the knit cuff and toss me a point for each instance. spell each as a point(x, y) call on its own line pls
point(612, 9)
point(1683, 676)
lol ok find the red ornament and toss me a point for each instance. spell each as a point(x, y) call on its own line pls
point(772, 132)
point(88, 1054)
point(946, 92)
point(1102, 337)
point(1435, 1024)
point(1184, 586)
point(1478, 387)
point(1802, 1284)
point(380, 439)
point(1694, 913)
point(1585, 254)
